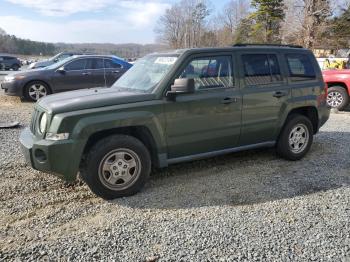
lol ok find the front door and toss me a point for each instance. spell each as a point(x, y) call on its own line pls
point(265, 96)
point(76, 76)
point(209, 119)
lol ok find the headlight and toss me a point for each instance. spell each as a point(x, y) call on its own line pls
point(11, 78)
point(43, 123)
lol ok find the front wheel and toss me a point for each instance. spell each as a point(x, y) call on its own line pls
point(296, 138)
point(36, 90)
point(117, 166)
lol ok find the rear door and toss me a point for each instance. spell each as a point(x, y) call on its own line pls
point(114, 70)
point(209, 119)
point(96, 71)
point(265, 94)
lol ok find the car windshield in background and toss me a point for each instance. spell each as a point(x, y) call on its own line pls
point(59, 64)
point(146, 73)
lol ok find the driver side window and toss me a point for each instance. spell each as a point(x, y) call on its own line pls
point(78, 64)
point(210, 72)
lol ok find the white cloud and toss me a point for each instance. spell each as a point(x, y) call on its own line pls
point(63, 7)
point(140, 14)
point(84, 31)
point(131, 21)
point(69, 7)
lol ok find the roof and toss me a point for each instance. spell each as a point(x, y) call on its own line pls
point(120, 60)
point(231, 48)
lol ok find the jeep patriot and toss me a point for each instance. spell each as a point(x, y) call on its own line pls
point(179, 106)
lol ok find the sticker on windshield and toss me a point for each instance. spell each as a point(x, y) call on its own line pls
point(166, 60)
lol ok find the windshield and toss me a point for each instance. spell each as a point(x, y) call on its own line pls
point(55, 57)
point(146, 73)
point(59, 63)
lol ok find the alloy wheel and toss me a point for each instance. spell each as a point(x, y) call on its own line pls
point(119, 169)
point(37, 91)
point(299, 138)
point(334, 99)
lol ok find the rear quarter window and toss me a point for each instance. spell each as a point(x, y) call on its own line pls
point(300, 67)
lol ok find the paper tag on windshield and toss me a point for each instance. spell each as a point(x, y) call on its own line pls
point(166, 60)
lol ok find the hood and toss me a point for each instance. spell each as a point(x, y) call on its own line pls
point(28, 73)
point(90, 98)
point(41, 64)
point(336, 72)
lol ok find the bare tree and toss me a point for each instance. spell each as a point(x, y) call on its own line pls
point(316, 13)
point(233, 13)
point(292, 25)
point(170, 29)
point(182, 25)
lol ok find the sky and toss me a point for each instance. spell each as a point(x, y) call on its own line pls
point(85, 21)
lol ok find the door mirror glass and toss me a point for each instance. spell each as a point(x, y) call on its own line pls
point(181, 86)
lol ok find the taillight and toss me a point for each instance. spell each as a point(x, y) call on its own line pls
point(322, 98)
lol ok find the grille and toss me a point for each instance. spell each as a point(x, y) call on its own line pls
point(34, 121)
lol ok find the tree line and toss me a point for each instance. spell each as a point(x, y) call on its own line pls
point(13, 45)
point(310, 23)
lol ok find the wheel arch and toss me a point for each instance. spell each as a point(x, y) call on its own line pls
point(308, 111)
point(35, 80)
point(142, 133)
point(339, 84)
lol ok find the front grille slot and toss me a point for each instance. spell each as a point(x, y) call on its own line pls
point(34, 121)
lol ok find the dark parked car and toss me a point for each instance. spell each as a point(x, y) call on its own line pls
point(54, 59)
point(179, 106)
point(8, 62)
point(77, 72)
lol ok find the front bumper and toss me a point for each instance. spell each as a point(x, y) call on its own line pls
point(13, 88)
point(54, 157)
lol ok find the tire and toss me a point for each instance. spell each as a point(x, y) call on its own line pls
point(337, 97)
point(35, 90)
point(289, 144)
point(117, 166)
point(15, 67)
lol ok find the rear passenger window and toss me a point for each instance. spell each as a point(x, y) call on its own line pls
point(98, 63)
point(210, 72)
point(300, 67)
point(261, 69)
point(111, 64)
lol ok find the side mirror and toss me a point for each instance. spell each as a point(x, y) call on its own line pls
point(181, 86)
point(55, 60)
point(61, 70)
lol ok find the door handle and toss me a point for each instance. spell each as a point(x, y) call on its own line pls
point(279, 94)
point(116, 71)
point(229, 100)
point(86, 73)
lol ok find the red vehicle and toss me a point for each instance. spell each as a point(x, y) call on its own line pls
point(338, 82)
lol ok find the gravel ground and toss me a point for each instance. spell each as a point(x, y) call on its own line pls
point(249, 206)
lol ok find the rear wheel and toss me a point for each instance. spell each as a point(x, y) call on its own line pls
point(36, 90)
point(117, 166)
point(15, 67)
point(337, 97)
point(296, 138)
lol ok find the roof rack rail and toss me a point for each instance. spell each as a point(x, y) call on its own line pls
point(277, 45)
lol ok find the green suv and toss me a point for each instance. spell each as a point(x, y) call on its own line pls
point(179, 106)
